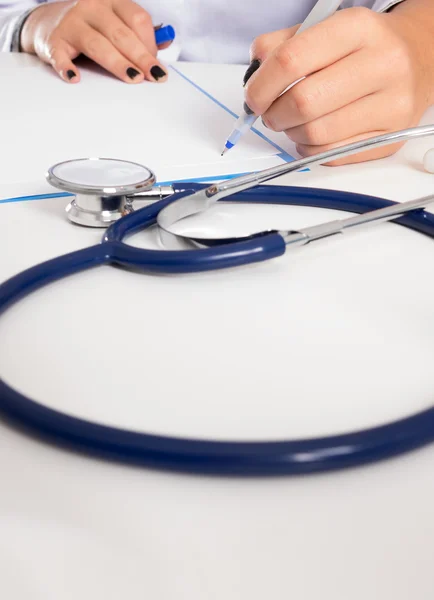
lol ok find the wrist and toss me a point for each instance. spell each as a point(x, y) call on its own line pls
point(28, 29)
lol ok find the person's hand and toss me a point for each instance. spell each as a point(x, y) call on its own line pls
point(116, 34)
point(365, 76)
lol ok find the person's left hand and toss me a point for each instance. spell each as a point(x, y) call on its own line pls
point(365, 75)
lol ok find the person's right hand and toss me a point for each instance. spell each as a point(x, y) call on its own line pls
point(116, 34)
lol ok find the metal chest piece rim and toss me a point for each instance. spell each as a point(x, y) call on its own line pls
point(103, 188)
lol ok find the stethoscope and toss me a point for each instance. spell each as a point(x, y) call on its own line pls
point(106, 192)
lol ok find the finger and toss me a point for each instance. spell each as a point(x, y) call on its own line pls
point(59, 55)
point(264, 44)
point(372, 112)
point(307, 150)
point(98, 48)
point(332, 88)
point(127, 43)
point(312, 50)
point(139, 21)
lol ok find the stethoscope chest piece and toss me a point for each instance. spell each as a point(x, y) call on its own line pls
point(103, 188)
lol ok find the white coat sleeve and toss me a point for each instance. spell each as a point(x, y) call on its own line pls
point(12, 13)
point(377, 5)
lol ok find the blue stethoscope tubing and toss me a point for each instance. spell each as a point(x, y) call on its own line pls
point(288, 457)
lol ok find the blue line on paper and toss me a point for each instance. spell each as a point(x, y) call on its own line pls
point(282, 154)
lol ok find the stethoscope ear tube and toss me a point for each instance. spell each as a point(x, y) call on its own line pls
point(202, 200)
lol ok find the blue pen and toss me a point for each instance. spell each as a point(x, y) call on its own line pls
point(321, 11)
point(164, 34)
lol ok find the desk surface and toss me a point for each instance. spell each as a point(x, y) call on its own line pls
point(344, 328)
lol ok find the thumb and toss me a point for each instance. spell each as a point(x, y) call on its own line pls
point(60, 56)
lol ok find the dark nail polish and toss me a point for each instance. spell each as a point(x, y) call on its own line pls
point(254, 66)
point(157, 72)
point(157, 27)
point(132, 73)
point(247, 109)
point(71, 74)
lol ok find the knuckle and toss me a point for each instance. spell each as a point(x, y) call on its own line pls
point(260, 46)
point(119, 34)
point(286, 58)
point(366, 24)
point(141, 19)
point(302, 103)
point(315, 133)
point(398, 57)
point(91, 46)
point(363, 15)
point(85, 5)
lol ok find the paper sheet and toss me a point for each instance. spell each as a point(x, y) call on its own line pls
point(178, 128)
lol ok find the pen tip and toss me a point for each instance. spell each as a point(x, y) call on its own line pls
point(224, 150)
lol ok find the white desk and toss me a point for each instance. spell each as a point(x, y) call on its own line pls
point(339, 336)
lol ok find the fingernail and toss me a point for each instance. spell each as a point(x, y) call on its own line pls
point(159, 26)
point(264, 124)
point(247, 109)
point(70, 74)
point(132, 73)
point(157, 72)
point(254, 66)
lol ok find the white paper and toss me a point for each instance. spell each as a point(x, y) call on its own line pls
point(178, 129)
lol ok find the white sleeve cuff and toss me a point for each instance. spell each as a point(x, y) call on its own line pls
point(376, 5)
point(383, 5)
point(9, 21)
point(7, 28)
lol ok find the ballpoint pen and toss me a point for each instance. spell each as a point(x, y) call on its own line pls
point(321, 11)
